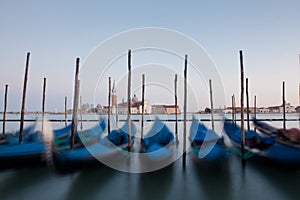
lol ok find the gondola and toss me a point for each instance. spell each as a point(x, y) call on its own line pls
point(158, 143)
point(287, 136)
point(29, 152)
point(262, 147)
point(89, 148)
point(206, 144)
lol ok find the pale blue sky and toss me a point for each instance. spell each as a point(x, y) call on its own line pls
point(56, 32)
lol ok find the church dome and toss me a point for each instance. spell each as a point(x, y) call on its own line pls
point(135, 99)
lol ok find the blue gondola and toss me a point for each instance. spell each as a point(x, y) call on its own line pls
point(158, 142)
point(29, 152)
point(206, 144)
point(286, 136)
point(263, 147)
point(89, 147)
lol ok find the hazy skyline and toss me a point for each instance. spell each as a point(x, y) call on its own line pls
point(56, 32)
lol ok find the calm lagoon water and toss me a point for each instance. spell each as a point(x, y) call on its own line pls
point(198, 180)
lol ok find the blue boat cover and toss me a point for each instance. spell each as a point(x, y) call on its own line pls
point(200, 133)
point(120, 136)
point(67, 130)
point(62, 131)
point(159, 134)
point(234, 132)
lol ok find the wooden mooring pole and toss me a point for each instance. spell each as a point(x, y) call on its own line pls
point(283, 104)
point(109, 97)
point(80, 103)
point(4, 110)
point(176, 110)
point(43, 104)
point(242, 105)
point(211, 105)
point(185, 111)
point(299, 101)
point(232, 110)
point(247, 100)
point(143, 107)
point(234, 106)
point(24, 98)
point(66, 117)
point(75, 105)
point(129, 99)
point(254, 110)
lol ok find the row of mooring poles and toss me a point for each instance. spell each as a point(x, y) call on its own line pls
point(24, 102)
point(255, 105)
point(143, 104)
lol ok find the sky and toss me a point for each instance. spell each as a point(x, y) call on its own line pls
point(57, 32)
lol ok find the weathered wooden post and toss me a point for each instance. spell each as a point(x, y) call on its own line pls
point(254, 110)
point(24, 98)
point(75, 105)
point(43, 104)
point(185, 110)
point(247, 100)
point(242, 104)
point(283, 104)
point(129, 99)
point(4, 110)
point(176, 113)
point(232, 108)
point(143, 107)
point(299, 99)
point(211, 105)
point(80, 103)
point(108, 112)
point(66, 118)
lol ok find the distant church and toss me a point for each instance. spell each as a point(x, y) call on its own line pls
point(135, 104)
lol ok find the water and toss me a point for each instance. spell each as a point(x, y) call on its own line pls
point(198, 180)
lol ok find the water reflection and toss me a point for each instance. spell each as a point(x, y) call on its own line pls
point(285, 181)
point(89, 183)
point(157, 184)
point(213, 178)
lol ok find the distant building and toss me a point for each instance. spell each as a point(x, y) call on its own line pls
point(251, 110)
point(288, 108)
point(165, 109)
point(274, 109)
point(279, 109)
point(135, 107)
point(263, 110)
